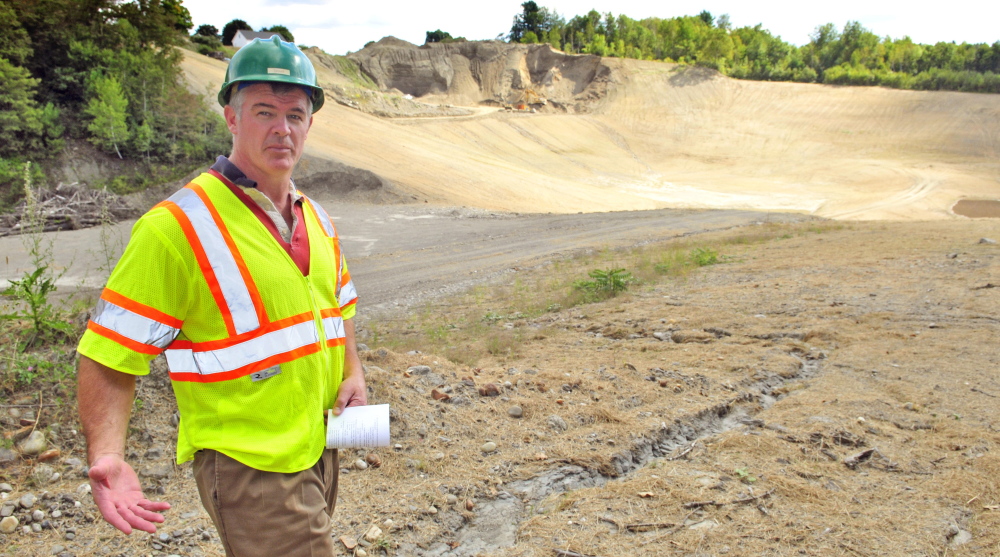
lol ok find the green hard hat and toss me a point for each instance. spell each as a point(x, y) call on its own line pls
point(272, 60)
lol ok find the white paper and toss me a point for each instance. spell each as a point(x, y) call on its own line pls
point(358, 427)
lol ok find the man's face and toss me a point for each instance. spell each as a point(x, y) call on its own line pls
point(270, 130)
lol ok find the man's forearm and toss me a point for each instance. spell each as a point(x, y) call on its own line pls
point(104, 398)
point(353, 391)
point(352, 362)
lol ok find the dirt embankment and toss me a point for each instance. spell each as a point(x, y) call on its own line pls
point(487, 72)
point(639, 135)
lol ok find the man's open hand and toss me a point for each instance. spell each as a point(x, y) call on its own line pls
point(119, 497)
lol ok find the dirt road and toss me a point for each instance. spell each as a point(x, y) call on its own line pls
point(400, 254)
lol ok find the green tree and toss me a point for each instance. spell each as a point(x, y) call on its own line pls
point(532, 18)
point(206, 30)
point(437, 37)
point(229, 30)
point(143, 139)
point(15, 43)
point(281, 30)
point(107, 107)
point(177, 14)
point(20, 123)
point(554, 39)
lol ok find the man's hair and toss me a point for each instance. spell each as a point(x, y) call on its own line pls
point(238, 95)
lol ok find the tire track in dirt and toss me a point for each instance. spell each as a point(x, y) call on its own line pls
point(921, 189)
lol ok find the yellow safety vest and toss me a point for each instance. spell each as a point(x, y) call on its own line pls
point(254, 348)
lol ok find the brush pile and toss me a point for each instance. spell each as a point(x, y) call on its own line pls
point(66, 207)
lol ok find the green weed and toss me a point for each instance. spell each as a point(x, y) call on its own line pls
point(31, 293)
point(605, 284)
point(745, 476)
point(702, 257)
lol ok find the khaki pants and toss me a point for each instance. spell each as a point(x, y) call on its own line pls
point(268, 513)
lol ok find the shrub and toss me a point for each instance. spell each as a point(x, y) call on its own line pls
point(605, 284)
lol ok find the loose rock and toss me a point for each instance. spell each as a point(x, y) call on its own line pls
point(34, 443)
point(373, 460)
point(488, 447)
point(8, 525)
point(489, 389)
point(6, 488)
point(7, 456)
point(42, 474)
point(515, 412)
point(987, 241)
point(28, 500)
point(373, 533)
point(438, 395)
point(360, 464)
point(349, 542)
point(419, 370)
point(701, 337)
point(557, 423)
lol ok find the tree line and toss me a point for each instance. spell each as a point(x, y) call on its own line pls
point(105, 72)
point(852, 55)
point(207, 39)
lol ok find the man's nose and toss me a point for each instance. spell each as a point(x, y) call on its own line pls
point(281, 127)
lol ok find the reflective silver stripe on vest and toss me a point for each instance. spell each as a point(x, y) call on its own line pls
point(334, 327)
point(324, 218)
point(234, 290)
point(347, 294)
point(243, 354)
point(133, 326)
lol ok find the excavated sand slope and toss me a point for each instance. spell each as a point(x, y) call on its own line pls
point(627, 134)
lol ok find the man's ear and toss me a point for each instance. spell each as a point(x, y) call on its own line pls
point(230, 114)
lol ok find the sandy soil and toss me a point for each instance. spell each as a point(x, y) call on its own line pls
point(666, 136)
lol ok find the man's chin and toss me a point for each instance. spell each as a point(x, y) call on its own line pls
point(281, 164)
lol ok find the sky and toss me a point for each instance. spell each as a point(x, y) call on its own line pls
point(339, 27)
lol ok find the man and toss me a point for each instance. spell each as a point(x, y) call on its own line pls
point(240, 281)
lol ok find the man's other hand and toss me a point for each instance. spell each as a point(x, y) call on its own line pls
point(119, 497)
point(353, 392)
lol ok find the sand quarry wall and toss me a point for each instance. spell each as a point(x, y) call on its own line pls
point(627, 134)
